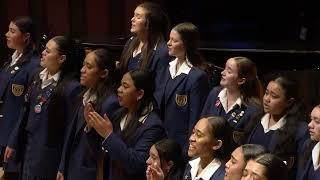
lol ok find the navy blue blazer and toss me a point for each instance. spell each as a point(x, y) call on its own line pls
point(132, 157)
point(235, 117)
point(43, 133)
point(81, 149)
point(159, 58)
point(181, 100)
point(305, 162)
point(218, 175)
point(293, 154)
point(13, 86)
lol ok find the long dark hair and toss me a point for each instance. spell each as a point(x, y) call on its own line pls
point(251, 91)
point(251, 151)
point(143, 80)
point(157, 30)
point(189, 34)
point(276, 169)
point(107, 86)
point(69, 72)
point(74, 53)
point(220, 129)
point(295, 114)
point(26, 25)
point(170, 150)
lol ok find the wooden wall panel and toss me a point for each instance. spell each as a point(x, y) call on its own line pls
point(17, 8)
point(58, 20)
point(78, 19)
point(3, 30)
point(98, 18)
point(38, 12)
point(85, 19)
point(118, 17)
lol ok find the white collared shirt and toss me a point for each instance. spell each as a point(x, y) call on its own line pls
point(88, 96)
point(315, 156)
point(207, 172)
point(184, 68)
point(223, 99)
point(15, 57)
point(45, 81)
point(265, 123)
point(136, 52)
point(142, 119)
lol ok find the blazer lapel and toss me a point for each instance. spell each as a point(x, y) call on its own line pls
point(152, 62)
point(6, 76)
point(79, 119)
point(305, 170)
point(4, 80)
point(173, 86)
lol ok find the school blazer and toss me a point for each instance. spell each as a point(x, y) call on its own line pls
point(181, 101)
point(238, 117)
point(159, 58)
point(81, 149)
point(13, 86)
point(132, 157)
point(305, 160)
point(47, 132)
point(218, 175)
point(294, 154)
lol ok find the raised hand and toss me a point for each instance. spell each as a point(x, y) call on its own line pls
point(87, 109)
point(8, 154)
point(154, 172)
point(102, 125)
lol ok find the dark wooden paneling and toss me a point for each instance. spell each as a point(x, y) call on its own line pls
point(38, 13)
point(78, 19)
point(58, 17)
point(91, 20)
point(118, 17)
point(3, 30)
point(98, 19)
point(17, 8)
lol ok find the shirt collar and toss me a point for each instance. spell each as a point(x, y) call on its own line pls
point(15, 57)
point(315, 156)
point(265, 121)
point(207, 172)
point(135, 53)
point(88, 96)
point(142, 119)
point(47, 81)
point(184, 68)
point(223, 99)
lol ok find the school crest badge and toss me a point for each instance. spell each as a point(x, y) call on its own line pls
point(17, 89)
point(181, 100)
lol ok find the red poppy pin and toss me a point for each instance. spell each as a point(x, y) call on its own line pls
point(218, 103)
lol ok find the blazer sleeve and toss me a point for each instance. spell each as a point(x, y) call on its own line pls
point(198, 95)
point(209, 101)
point(14, 139)
point(302, 137)
point(133, 158)
point(161, 61)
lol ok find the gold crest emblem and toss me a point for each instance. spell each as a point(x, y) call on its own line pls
point(17, 89)
point(181, 100)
